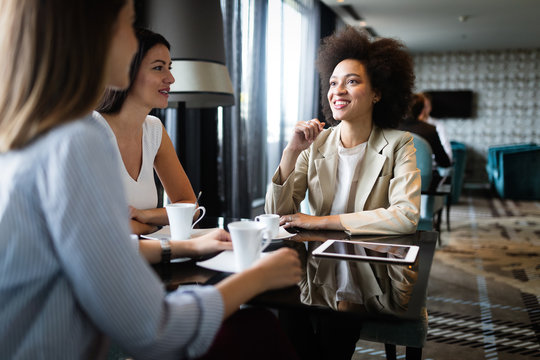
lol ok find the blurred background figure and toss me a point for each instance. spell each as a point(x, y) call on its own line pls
point(414, 125)
point(439, 126)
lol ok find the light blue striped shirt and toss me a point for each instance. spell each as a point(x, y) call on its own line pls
point(69, 276)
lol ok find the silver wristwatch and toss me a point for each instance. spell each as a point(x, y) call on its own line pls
point(165, 251)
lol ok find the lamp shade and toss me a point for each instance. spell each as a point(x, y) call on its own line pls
point(194, 29)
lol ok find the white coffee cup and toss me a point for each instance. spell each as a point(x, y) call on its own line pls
point(247, 241)
point(271, 222)
point(180, 218)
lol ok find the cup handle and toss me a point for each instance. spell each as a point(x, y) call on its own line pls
point(202, 208)
point(267, 239)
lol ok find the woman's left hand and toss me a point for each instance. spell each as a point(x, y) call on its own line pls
point(215, 241)
point(138, 214)
point(303, 221)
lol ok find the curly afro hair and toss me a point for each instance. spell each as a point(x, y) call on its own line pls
point(388, 66)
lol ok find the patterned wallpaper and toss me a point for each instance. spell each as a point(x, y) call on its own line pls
point(507, 98)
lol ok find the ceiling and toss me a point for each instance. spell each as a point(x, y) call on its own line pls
point(449, 25)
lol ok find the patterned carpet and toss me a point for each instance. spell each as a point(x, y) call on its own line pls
point(484, 289)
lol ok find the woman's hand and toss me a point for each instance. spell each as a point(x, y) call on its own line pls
point(215, 241)
point(279, 269)
point(300, 220)
point(138, 214)
point(305, 132)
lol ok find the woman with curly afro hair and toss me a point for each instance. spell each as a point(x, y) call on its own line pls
point(360, 174)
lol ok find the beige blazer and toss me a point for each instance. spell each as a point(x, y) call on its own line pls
point(388, 191)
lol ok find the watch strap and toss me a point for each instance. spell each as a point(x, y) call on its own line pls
point(165, 251)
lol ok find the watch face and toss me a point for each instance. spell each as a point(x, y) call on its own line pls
point(165, 251)
point(165, 244)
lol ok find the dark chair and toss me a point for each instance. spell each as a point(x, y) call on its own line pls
point(409, 333)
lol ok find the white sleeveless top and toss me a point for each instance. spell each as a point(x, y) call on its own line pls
point(140, 193)
point(347, 178)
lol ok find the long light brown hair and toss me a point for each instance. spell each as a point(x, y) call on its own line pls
point(52, 63)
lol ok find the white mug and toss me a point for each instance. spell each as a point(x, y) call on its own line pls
point(271, 221)
point(247, 241)
point(180, 218)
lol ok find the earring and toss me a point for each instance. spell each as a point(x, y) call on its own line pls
point(375, 100)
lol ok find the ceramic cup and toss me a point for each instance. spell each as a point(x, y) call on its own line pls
point(181, 218)
point(271, 222)
point(247, 240)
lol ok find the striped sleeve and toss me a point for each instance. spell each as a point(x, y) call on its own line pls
point(112, 283)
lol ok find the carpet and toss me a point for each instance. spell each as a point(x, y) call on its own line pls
point(484, 288)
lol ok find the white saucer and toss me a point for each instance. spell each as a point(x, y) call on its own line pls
point(282, 234)
point(165, 233)
point(224, 261)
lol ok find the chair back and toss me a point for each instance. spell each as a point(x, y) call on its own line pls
point(424, 160)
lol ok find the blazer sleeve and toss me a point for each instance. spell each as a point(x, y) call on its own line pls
point(403, 197)
point(286, 198)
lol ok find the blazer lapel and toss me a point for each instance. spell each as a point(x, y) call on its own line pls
point(371, 167)
point(326, 167)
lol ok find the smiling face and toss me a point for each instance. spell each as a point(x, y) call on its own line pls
point(350, 95)
point(152, 83)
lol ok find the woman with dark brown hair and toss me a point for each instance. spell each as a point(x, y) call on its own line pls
point(360, 175)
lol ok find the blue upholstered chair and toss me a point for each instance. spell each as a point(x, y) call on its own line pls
point(459, 157)
point(517, 175)
point(492, 164)
point(430, 205)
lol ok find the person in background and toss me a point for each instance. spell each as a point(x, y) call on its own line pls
point(414, 125)
point(439, 126)
point(142, 141)
point(71, 278)
point(360, 175)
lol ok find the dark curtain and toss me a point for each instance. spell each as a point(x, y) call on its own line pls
point(243, 160)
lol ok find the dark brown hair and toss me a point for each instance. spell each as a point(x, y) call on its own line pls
point(113, 100)
point(417, 105)
point(52, 68)
point(388, 66)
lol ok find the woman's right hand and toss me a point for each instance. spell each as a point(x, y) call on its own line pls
point(279, 269)
point(305, 132)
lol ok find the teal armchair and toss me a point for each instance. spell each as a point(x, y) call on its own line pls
point(518, 174)
point(492, 164)
point(459, 157)
point(431, 204)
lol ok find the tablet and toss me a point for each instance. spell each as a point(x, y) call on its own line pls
point(367, 251)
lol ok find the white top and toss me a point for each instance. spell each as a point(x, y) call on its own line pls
point(442, 135)
point(140, 193)
point(70, 275)
point(347, 178)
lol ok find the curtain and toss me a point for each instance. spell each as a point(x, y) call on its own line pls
point(293, 29)
point(270, 50)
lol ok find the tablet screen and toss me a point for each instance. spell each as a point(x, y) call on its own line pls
point(371, 250)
